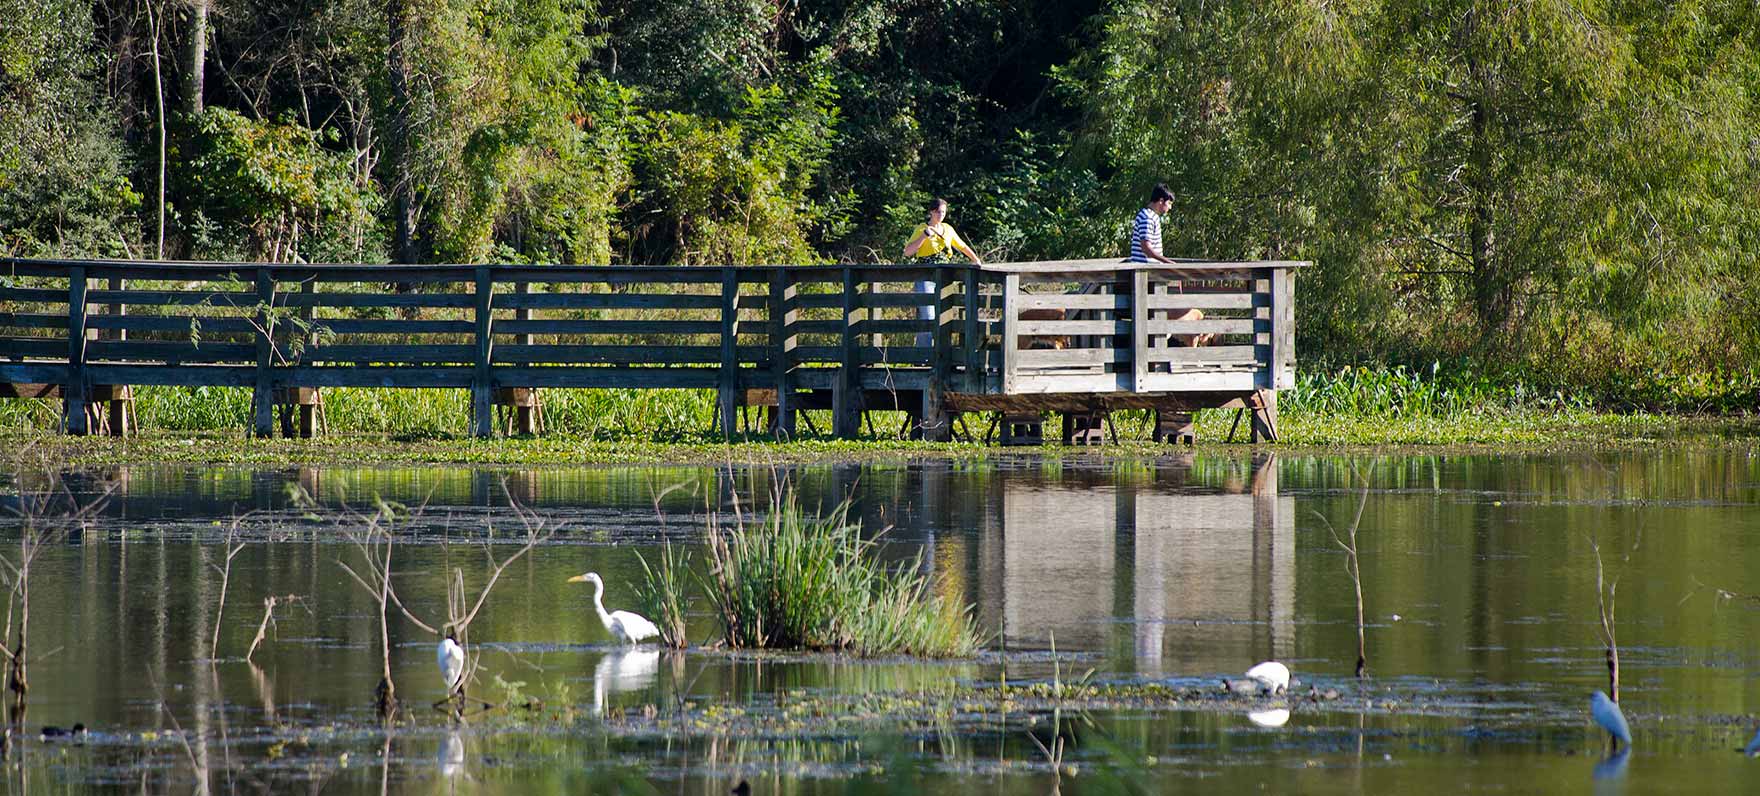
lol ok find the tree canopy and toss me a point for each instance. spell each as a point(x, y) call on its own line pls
point(1565, 185)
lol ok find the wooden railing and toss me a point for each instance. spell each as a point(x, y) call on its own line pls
point(787, 330)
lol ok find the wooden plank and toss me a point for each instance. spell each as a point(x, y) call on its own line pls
point(174, 324)
point(611, 301)
point(1110, 264)
point(138, 350)
point(1074, 301)
point(399, 326)
point(1066, 328)
point(357, 300)
point(482, 384)
point(1039, 383)
point(1211, 355)
point(74, 390)
point(175, 375)
point(240, 299)
point(47, 373)
point(1189, 382)
point(460, 353)
point(608, 354)
point(33, 320)
point(1205, 301)
point(612, 327)
point(866, 354)
point(34, 295)
point(369, 376)
point(1208, 325)
point(1030, 359)
point(705, 378)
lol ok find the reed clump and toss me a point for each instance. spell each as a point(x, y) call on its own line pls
point(789, 580)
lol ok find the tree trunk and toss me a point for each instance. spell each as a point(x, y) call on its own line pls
point(1491, 286)
point(196, 60)
point(404, 246)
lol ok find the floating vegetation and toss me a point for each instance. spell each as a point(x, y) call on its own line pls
point(790, 581)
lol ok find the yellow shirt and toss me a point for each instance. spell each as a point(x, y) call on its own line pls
point(946, 240)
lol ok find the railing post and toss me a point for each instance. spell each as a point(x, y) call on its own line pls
point(1283, 329)
point(1011, 289)
point(525, 410)
point(263, 394)
point(74, 393)
point(1140, 328)
point(972, 338)
point(936, 425)
point(782, 345)
point(728, 394)
point(482, 383)
point(846, 420)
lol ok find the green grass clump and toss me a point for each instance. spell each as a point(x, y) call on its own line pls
point(794, 581)
point(662, 593)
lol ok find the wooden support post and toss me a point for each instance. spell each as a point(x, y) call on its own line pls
point(75, 393)
point(782, 344)
point(728, 393)
point(972, 336)
point(482, 382)
point(525, 412)
point(1265, 416)
point(263, 393)
point(846, 420)
point(1283, 329)
point(1011, 321)
point(1140, 329)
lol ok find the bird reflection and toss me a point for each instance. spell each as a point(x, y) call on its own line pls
point(1610, 773)
point(627, 669)
point(450, 758)
point(1269, 718)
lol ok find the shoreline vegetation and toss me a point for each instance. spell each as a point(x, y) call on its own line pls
point(1330, 409)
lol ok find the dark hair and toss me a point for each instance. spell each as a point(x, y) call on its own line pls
point(937, 202)
point(1159, 193)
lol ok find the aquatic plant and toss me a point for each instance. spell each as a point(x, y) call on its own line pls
point(788, 580)
point(661, 594)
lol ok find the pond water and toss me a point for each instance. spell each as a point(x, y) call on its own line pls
point(1147, 578)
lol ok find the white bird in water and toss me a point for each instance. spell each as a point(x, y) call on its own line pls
point(626, 627)
point(1607, 714)
point(1269, 677)
point(450, 656)
point(1269, 718)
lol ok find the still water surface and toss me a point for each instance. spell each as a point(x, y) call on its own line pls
point(1479, 591)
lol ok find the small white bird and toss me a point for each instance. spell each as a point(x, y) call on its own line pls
point(450, 656)
point(1606, 713)
point(626, 627)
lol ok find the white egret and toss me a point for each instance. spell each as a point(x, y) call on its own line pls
point(1606, 713)
point(1271, 675)
point(626, 627)
point(451, 658)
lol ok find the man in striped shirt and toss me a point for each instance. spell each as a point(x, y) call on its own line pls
point(1146, 232)
point(1146, 248)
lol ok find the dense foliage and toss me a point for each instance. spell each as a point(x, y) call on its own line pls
point(1567, 191)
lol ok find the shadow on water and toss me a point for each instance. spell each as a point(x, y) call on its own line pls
point(1159, 575)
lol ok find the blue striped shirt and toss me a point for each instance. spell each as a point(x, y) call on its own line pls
point(1147, 228)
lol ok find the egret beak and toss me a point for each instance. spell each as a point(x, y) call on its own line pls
point(578, 579)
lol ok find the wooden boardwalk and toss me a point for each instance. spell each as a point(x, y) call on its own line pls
point(1079, 337)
